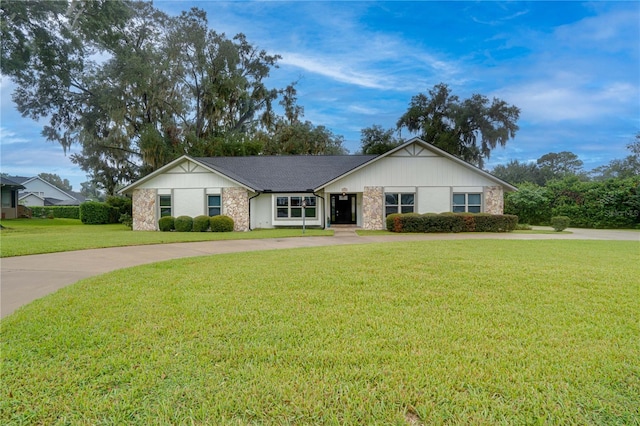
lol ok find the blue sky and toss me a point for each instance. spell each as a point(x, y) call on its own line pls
point(573, 69)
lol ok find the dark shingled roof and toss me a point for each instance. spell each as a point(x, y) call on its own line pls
point(10, 182)
point(286, 173)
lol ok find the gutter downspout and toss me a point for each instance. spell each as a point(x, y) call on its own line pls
point(324, 218)
point(249, 202)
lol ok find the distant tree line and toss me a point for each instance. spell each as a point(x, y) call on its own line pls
point(557, 185)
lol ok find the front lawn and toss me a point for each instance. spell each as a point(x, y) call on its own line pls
point(34, 236)
point(429, 332)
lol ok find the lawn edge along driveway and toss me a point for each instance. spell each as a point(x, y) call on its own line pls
point(27, 278)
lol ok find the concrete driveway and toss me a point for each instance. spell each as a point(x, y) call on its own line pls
point(27, 278)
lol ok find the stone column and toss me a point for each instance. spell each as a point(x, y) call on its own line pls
point(493, 199)
point(144, 210)
point(373, 208)
point(235, 204)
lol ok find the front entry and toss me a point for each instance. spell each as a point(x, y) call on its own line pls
point(343, 209)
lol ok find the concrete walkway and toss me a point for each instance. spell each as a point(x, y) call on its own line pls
point(27, 278)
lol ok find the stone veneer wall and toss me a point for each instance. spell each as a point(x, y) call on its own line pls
point(493, 199)
point(373, 208)
point(144, 210)
point(235, 204)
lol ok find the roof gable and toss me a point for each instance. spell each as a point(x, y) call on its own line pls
point(183, 164)
point(416, 147)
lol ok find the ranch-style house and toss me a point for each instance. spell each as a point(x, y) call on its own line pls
point(359, 190)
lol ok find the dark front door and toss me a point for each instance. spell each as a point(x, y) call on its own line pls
point(343, 209)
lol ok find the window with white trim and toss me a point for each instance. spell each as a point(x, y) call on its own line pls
point(164, 201)
point(467, 203)
point(290, 207)
point(214, 205)
point(399, 203)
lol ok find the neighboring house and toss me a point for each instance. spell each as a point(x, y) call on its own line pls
point(9, 197)
point(38, 193)
point(360, 190)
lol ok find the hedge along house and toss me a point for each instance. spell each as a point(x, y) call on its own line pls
point(358, 190)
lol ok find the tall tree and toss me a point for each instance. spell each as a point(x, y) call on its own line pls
point(376, 140)
point(468, 129)
point(517, 173)
point(289, 135)
point(165, 86)
point(56, 180)
point(91, 191)
point(558, 165)
point(621, 168)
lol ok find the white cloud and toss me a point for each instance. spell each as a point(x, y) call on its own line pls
point(364, 110)
point(553, 101)
point(9, 137)
point(332, 69)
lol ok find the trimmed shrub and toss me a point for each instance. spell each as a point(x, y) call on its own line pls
point(167, 223)
point(393, 223)
point(495, 223)
point(96, 213)
point(184, 224)
point(412, 222)
point(200, 223)
point(60, 212)
point(451, 222)
point(221, 223)
point(469, 222)
point(560, 223)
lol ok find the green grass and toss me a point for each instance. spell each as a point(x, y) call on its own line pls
point(440, 332)
point(34, 236)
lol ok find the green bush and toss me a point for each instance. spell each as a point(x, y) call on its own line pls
point(61, 212)
point(560, 223)
point(612, 203)
point(412, 222)
point(96, 213)
point(126, 220)
point(221, 223)
point(451, 222)
point(201, 223)
point(167, 223)
point(495, 223)
point(184, 224)
point(123, 204)
point(393, 224)
point(531, 203)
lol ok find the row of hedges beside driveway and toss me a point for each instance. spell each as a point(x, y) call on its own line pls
point(451, 222)
point(60, 212)
point(219, 223)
